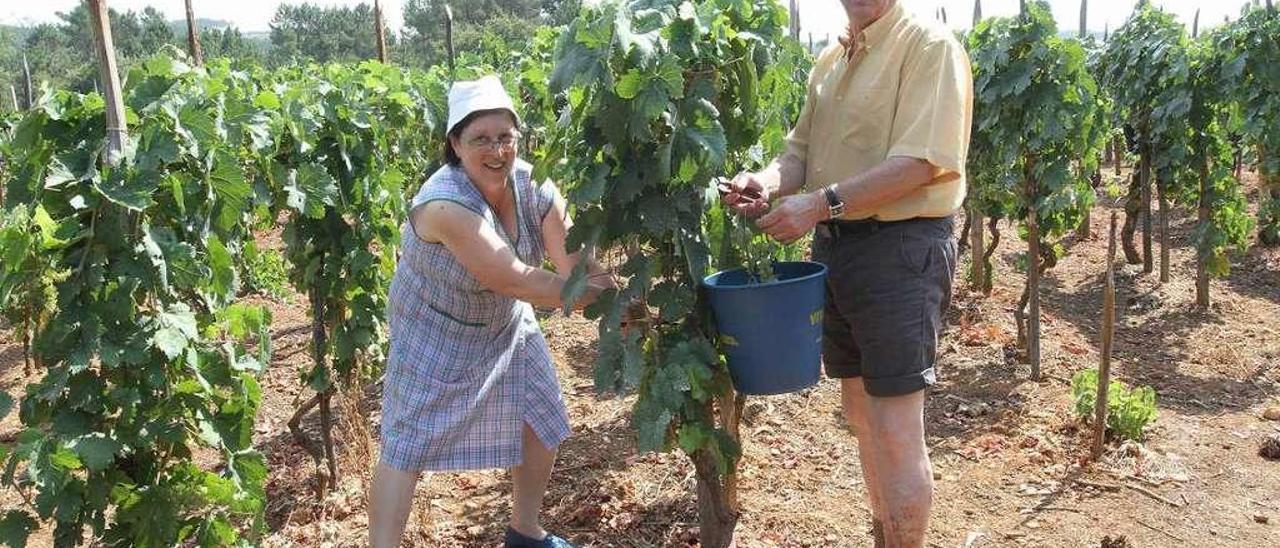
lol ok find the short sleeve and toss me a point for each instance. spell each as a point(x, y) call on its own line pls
point(444, 185)
point(935, 109)
point(545, 197)
point(797, 144)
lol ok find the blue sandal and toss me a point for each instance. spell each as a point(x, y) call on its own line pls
point(515, 539)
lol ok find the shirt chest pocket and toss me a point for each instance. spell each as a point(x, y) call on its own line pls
point(865, 116)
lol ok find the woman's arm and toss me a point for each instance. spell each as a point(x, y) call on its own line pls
point(555, 232)
point(487, 257)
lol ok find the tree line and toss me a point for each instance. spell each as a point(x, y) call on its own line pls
point(54, 53)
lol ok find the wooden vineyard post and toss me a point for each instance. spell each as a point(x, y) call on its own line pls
point(977, 241)
point(448, 37)
point(26, 78)
point(1083, 231)
point(1118, 150)
point(116, 128)
point(1163, 200)
point(1144, 205)
point(1033, 256)
point(13, 94)
point(380, 31)
point(193, 36)
point(1202, 216)
point(1108, 337)
point(1033, 278)
point(1084, 18)
point(1195, 25)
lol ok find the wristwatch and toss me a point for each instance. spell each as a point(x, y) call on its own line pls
point(835, 207)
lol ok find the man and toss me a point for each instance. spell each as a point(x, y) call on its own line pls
point(876, 165)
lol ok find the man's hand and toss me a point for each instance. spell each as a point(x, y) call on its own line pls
point(794, 216)
point(746, 195)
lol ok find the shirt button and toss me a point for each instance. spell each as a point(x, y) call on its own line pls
point(819, 170)
point(839, 97)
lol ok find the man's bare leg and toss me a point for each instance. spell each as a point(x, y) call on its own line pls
point(900, 458)
point(853, 398)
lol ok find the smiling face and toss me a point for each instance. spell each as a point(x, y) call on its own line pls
point(486, 146)
point(864, 12)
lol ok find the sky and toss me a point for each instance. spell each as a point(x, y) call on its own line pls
point(248, 15)
point(827, 16)
point(817, 16)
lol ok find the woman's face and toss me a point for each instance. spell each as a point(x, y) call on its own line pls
point(487, 147)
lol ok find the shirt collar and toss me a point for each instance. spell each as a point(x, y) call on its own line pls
point(874, 33)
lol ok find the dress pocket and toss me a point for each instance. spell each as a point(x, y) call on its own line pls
point(455, 319)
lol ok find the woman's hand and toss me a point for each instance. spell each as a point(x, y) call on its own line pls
point(597, 284)
point(605, 279)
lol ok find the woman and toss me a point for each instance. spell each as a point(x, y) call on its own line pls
point(469, 382)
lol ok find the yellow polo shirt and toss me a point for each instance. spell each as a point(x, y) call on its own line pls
point(908, 91)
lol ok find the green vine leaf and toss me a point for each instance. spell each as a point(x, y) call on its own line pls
point(15, 528)
point(176, 327)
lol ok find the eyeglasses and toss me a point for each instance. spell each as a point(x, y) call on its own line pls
point(505, 142)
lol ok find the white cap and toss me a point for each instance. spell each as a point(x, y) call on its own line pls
point(471, 96)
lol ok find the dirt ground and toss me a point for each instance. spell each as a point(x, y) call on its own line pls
point(1008, 454)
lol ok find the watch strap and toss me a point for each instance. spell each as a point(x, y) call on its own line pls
point(834, 205)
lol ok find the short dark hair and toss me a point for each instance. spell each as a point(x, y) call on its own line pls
point(451, 156)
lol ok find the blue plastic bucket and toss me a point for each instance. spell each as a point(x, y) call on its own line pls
point(771, 333)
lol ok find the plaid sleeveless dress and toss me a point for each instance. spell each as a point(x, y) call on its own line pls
point(467, 367)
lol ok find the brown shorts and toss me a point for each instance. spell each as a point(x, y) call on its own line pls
point(888, 285)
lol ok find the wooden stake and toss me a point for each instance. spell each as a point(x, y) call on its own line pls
point(944, 14)
point(1083, 231)
point(1084, 18)
point(380, 31)
point(794, 22)
point(448, 37)
point(1108, 338)
point(1033, 274)
point(1148, 265)
point(26, 72)
point(116, 125)
point(1163, 200)
point(1195, 25)
point(13, 93)
point(1202, 216)
point(977, 246)
point(1118, 149)
point(978, 264)
point(193, 37)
